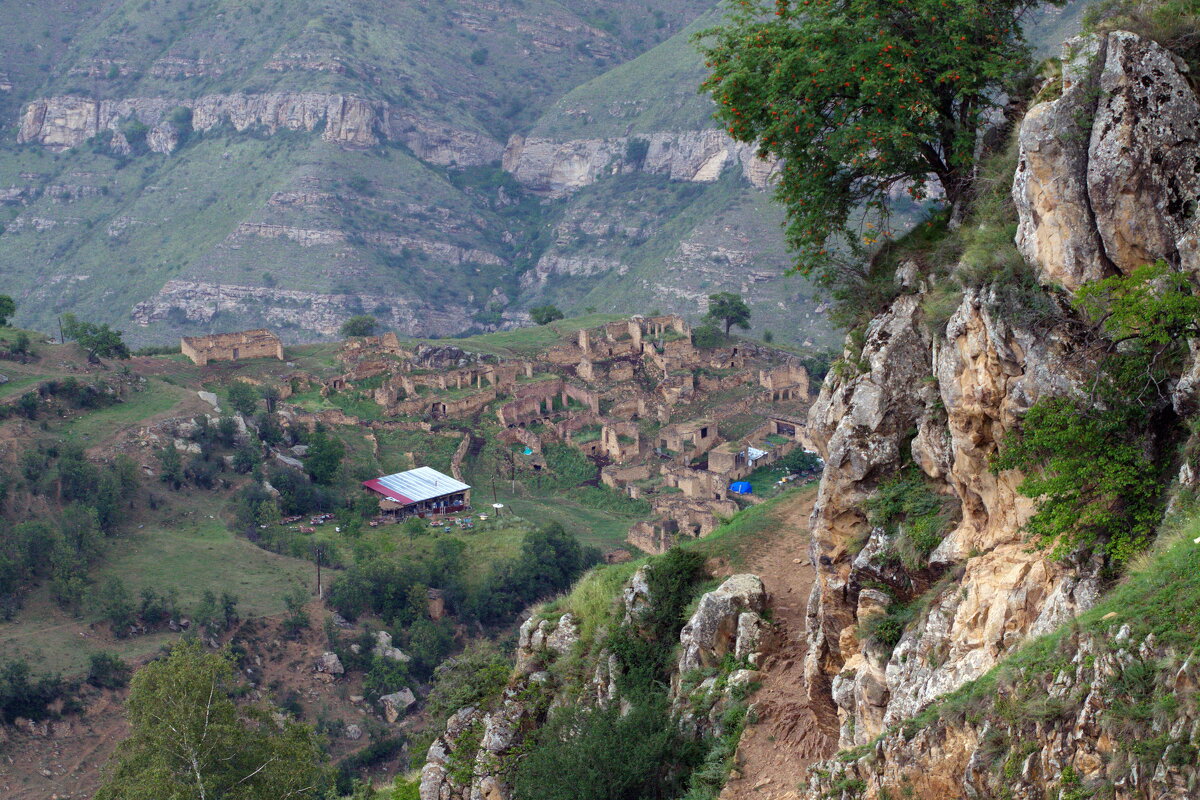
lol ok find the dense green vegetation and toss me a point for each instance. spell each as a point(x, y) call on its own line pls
point(603, 753)
point(1095, 463)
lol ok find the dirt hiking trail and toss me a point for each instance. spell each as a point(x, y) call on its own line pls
point(789, 731)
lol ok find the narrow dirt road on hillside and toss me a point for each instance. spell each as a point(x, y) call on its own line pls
point(790, 732)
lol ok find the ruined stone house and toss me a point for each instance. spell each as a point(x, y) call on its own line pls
point(258, 343)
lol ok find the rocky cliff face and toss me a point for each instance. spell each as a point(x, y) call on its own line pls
point(1108, 176)
point(1080, 744)
point(473, 758)
point(558, 168)
point(1107, 181)
point(62, 122)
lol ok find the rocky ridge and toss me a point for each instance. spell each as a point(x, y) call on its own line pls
point(66, 121)
point(472, 758)
point(558, 168)
point(1093, 199)
point(200, 301)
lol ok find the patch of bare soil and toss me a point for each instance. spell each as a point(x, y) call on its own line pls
point(791, 730)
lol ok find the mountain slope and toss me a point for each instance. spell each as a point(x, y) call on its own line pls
point(190, 168)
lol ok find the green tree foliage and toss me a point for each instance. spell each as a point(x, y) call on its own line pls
point(729, 309)
point(99, 340)
point(107, 671)
point(388, 588)
point(297, 617)
point(22, 694)
point(385, 675)
point(858, 98)
point(544, 315)
point(1090, 461)
point(475, 677)
point(242, 397)
point(800, 461)
point(116, 604)
point(171, 467)
point(8, 307)
point(603, 754)
point(324, 457)
point(549, 562)
point(608, 753)
point(707, 335)
point(21, 344)
point(361, 325)
point(190, 739)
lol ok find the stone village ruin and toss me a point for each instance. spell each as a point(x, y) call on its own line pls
point(666, 422)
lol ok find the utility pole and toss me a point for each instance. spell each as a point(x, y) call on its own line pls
point(319, 551)
point(61, 338)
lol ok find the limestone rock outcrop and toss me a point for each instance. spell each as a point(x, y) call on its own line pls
point(1080, 744)
point(558, 168)
point(727, 620)
point(65, 121)
point(1109, 173)
point(1108, 179)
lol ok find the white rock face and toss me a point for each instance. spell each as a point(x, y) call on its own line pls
point(727, 620)
point(330, 664)
point(1109, 173)
point(66, 121)
point(397, 703)
point(558, 168)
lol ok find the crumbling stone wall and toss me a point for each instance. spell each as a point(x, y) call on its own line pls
point(259, 343)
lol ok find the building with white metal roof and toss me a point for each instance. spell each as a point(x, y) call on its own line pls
point(421, 491)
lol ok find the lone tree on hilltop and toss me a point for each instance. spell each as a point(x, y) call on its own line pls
point(361, 325)
point(190, 739)
point(99, 340)
point(544, 315)
point(729, 309)
point(862, 98)
point(8, 307)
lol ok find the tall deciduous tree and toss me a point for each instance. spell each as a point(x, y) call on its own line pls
point(729, 309)
point(862, 99)
point(191, 740)
point(8, 307)
point(98, 339)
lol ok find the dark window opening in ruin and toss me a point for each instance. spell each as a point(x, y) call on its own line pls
point(236, 353)
point(704, 433)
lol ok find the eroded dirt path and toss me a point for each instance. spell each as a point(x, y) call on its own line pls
point(790, 732)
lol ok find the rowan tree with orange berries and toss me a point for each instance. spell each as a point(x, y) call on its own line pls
point(861, 98)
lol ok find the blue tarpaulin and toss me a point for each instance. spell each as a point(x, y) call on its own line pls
point(741, 487)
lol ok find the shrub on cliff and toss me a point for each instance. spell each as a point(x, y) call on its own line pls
point(1093, 462)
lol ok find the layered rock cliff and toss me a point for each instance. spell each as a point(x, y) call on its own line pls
point(557, 167)
point(62, 122)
